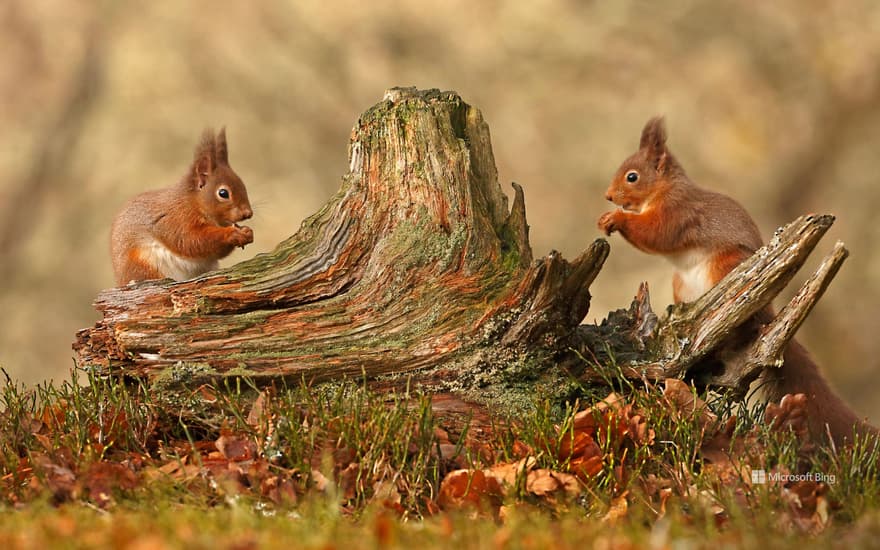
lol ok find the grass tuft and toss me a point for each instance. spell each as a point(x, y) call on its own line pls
point(338, 464)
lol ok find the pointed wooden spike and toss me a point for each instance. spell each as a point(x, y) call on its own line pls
point(767, 350)
point(516, 223)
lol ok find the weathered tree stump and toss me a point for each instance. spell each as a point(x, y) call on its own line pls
point(416, 273)
point(415, 270)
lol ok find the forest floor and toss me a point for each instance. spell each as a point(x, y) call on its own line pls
point(97, 463)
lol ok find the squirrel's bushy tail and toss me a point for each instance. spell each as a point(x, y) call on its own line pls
point(827, 414)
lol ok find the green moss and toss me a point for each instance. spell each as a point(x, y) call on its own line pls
point(508, 380)
point(182, 373)
point(418, 241)
point(510, 252)
point(248, 355)
point(240, 370)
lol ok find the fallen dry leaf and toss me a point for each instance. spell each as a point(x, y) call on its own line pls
point(236, 448)
point(576, 443)
point(587, 418)
point(586, 467)
point(682, 399)
point(350, 482)
point(618, 509)
point(790, 415)
point(508, 473)
point(469, 489)
point(544, 482)
point(484, 489)
point(807, 505)
point(279, 489)
point(639, 431)
point(320, 482)
point(102, 479)
point(59, 479)
point(716, 447)
point(258, 408)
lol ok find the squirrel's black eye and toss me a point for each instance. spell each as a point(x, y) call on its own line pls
point(632, 176)
point(223, 193)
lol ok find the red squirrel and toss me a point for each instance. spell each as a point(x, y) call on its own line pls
point(181, 231)
point(705, 235)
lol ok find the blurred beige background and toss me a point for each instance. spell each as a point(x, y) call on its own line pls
point(777, 104)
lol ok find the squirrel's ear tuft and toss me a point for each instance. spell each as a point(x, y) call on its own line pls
point(204, 159)
point(222, 150)
point(654, 136)
point(654, 143)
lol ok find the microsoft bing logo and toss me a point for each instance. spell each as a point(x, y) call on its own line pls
point(761, 477)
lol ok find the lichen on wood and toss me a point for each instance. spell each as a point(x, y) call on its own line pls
point(417, 274)
point(415, 266)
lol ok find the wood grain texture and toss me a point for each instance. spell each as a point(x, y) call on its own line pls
point(417, 274)
point(416, 264)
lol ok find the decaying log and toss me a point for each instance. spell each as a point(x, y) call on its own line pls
point(416, 274)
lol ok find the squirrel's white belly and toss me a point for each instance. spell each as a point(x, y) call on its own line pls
point(169, 264)
point(693, 274)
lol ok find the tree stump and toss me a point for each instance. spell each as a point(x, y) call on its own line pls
point(415, 271)
point(416, 274)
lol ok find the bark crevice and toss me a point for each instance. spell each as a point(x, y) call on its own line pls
point(416, 273)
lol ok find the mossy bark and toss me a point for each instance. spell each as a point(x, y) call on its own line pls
point(417, 274)
point(416, 270)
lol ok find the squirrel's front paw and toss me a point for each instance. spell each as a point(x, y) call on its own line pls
point(243, 235)
point(607, 222)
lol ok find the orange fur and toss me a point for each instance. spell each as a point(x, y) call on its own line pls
point(723, 263)
point(705, 235)
point(139, 269)
point(181, 231)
